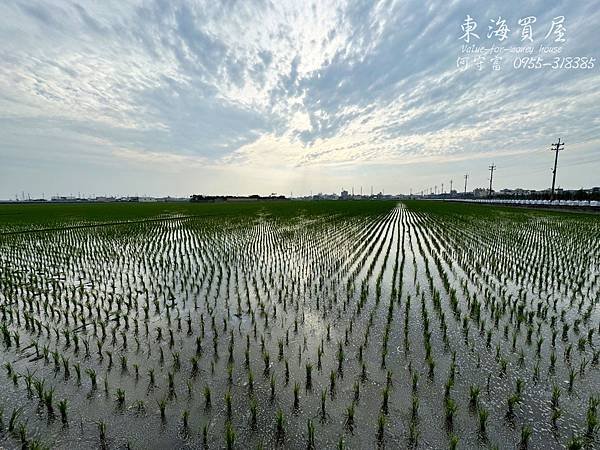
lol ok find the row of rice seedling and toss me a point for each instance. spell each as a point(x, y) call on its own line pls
point(393, 325)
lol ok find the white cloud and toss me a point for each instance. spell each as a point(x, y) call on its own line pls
point(261, 83)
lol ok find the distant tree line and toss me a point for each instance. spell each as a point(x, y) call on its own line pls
point(233, 198)
point(579, 195)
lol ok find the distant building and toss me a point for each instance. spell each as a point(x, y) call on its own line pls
point(233, 198)
point(65, 199)
point(480, 192)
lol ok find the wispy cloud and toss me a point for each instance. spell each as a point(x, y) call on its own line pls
point(292, 84)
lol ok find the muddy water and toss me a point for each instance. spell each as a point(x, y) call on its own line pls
point(293, 280)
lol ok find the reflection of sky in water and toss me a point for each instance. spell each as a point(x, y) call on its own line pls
point(288, 244)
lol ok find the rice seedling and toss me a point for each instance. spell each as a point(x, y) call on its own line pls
point(253, 407)
point(120, 397)
point(450, 408)
point(483, 417)
point(280, 423)
point(332, 381)
point(9, 369)
point(350, 415)
point(272, 383)
point(48, 399)
point(572, 375)
point(575, 443)
point(526, 432)
point(207, 401)
point(414, 408)
point(162, 406)
point(554, 416)
point(62, 407)
point(513, 399)
point(384, 404)
point(228, 403)
point(437, 286)
point(380, 427)
point(22, 432)
point(592, 421)
point(453, 442)
point(205, 435)
point(140, 406)
point(308, 376)
point(474, 395)
point(185, 419)
point(14, 416)
point(311, 434)
point(229, 436)
point(296, 395)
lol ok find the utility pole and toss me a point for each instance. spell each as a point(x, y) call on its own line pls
point(451, 187)
point(466, 178)
point(492, 168)
point(442, 188)
point(555, 148)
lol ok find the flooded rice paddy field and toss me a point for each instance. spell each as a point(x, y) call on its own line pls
point(299, 325)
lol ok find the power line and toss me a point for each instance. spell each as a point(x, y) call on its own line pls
point(576, 162)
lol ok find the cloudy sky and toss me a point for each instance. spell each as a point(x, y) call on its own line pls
point(257, 96)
